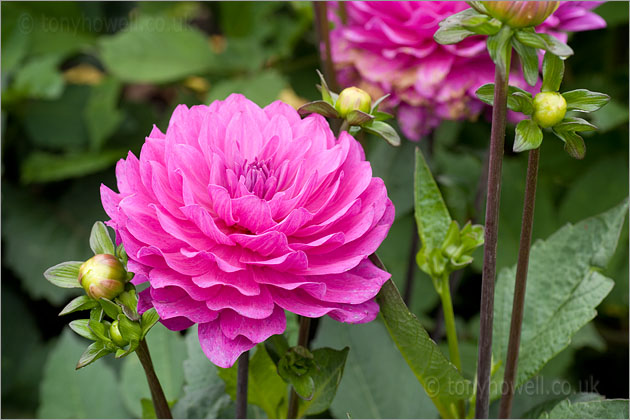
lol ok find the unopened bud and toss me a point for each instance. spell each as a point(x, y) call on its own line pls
point(353, 99)
point(549, 109)
point(116, 336)
point(521, 14)
point(102, 276)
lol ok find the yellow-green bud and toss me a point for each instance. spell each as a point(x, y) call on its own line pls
point(521, 14)
point(353, 99)
point(549, 109)
point(102, 276)
point(116, 336)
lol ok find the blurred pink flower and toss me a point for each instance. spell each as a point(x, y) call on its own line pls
point(388, 47)
point(238, 213)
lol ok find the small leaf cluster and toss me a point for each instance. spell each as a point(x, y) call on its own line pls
point(548, 110)
point(372, 121)
point(122, 333)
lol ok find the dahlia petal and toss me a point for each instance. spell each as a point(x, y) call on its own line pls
point(173, 302)
point(258, 307)
point(256, 330)
point(243, 281)
point(268, 243)
point(221, 351)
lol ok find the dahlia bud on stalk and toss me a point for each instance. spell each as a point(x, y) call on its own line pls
point(102, 276)
point(116, 336)
point(353, 99)
point(549, 109)
point(520, 14)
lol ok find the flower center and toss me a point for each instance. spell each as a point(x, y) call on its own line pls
point(256, 176)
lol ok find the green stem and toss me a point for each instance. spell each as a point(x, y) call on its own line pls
point(344, 126)
point(162, 410)
point(493, 196)
point(305, 328)
point(242, 377)
point(449, 322)
point(511, 364)
point(323, 31)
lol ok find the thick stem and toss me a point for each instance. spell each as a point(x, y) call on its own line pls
point(449, 322)
point(162, 410)
point(495, 162)
point(242, 376)
point(511, 364)
point(323, 32)
point(305, 327)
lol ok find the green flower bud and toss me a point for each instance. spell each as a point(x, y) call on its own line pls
point(353, 99)
point(116, 336)
point(549, 109)
point(521, 14)
point(102, 276)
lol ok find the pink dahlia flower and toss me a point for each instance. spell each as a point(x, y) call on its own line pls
point(388, 47)
point(238, 213)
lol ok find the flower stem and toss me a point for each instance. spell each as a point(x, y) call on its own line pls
point(495, 162)
point(242, 376)
point(305, 328)
point(162, 410)
point(449, 322)
point(323, 34)
point(511, 364)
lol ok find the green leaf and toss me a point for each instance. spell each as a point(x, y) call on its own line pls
point(101, 114)
point(432, 216)
point(440, 379)
point(528, 136)
point(584, 100)
point(262, 88)
point(379, 101)
point(204, 391)
point(326, 93)
point(529, 61)
point(80, 326)
point(111, 309)
point(481, 24)
point(605, 409)
point(266, 388)
point(451, 30)
point(564, 287)
point(574, 124)
point(553, 72)
point(149, 52)
point(383, 130)
point(521, 102)
point(80, 303)
point(544, 42)
point(168, 352)
point(357, 117)
point(515, 97)
point(39, 78)
point(129, 329)
point(67, 393)
point(46, 167)
point(326, 378)
point(573, 143)
point(319, 107)
point(500, 48)
point(94, 352)
point(100, 241)
point(65, 274)
point(376, 382)
point(149, 319)
point(99, 330)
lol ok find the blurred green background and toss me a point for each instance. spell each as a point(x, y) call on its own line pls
point(83, 83)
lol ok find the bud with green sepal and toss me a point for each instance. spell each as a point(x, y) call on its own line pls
point(296, 367)
point(102, 276)
point(520, 14)
point(354, 106)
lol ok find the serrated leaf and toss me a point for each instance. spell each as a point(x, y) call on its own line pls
point(65, 274)
point(444, 384)
point(326, 378)
point(100, 241)
point(148, 320)
point(574, 124)
point(79, 303)
point(528, 136)
point(111, 309)
point(605, 409)
point(544, 42)
point(80, 326)
point(573, 143)
point(529, 61)
point(553, 72)
point(564, 287)
point(94, 352)
point(584, 100)
point(432, 216)
point(357, 117)
point(500, 48)
point(384, 131)
point(266, 388)
point(319, 107)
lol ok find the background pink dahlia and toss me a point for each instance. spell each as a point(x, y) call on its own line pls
point(237, 213)
point(388, 47)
